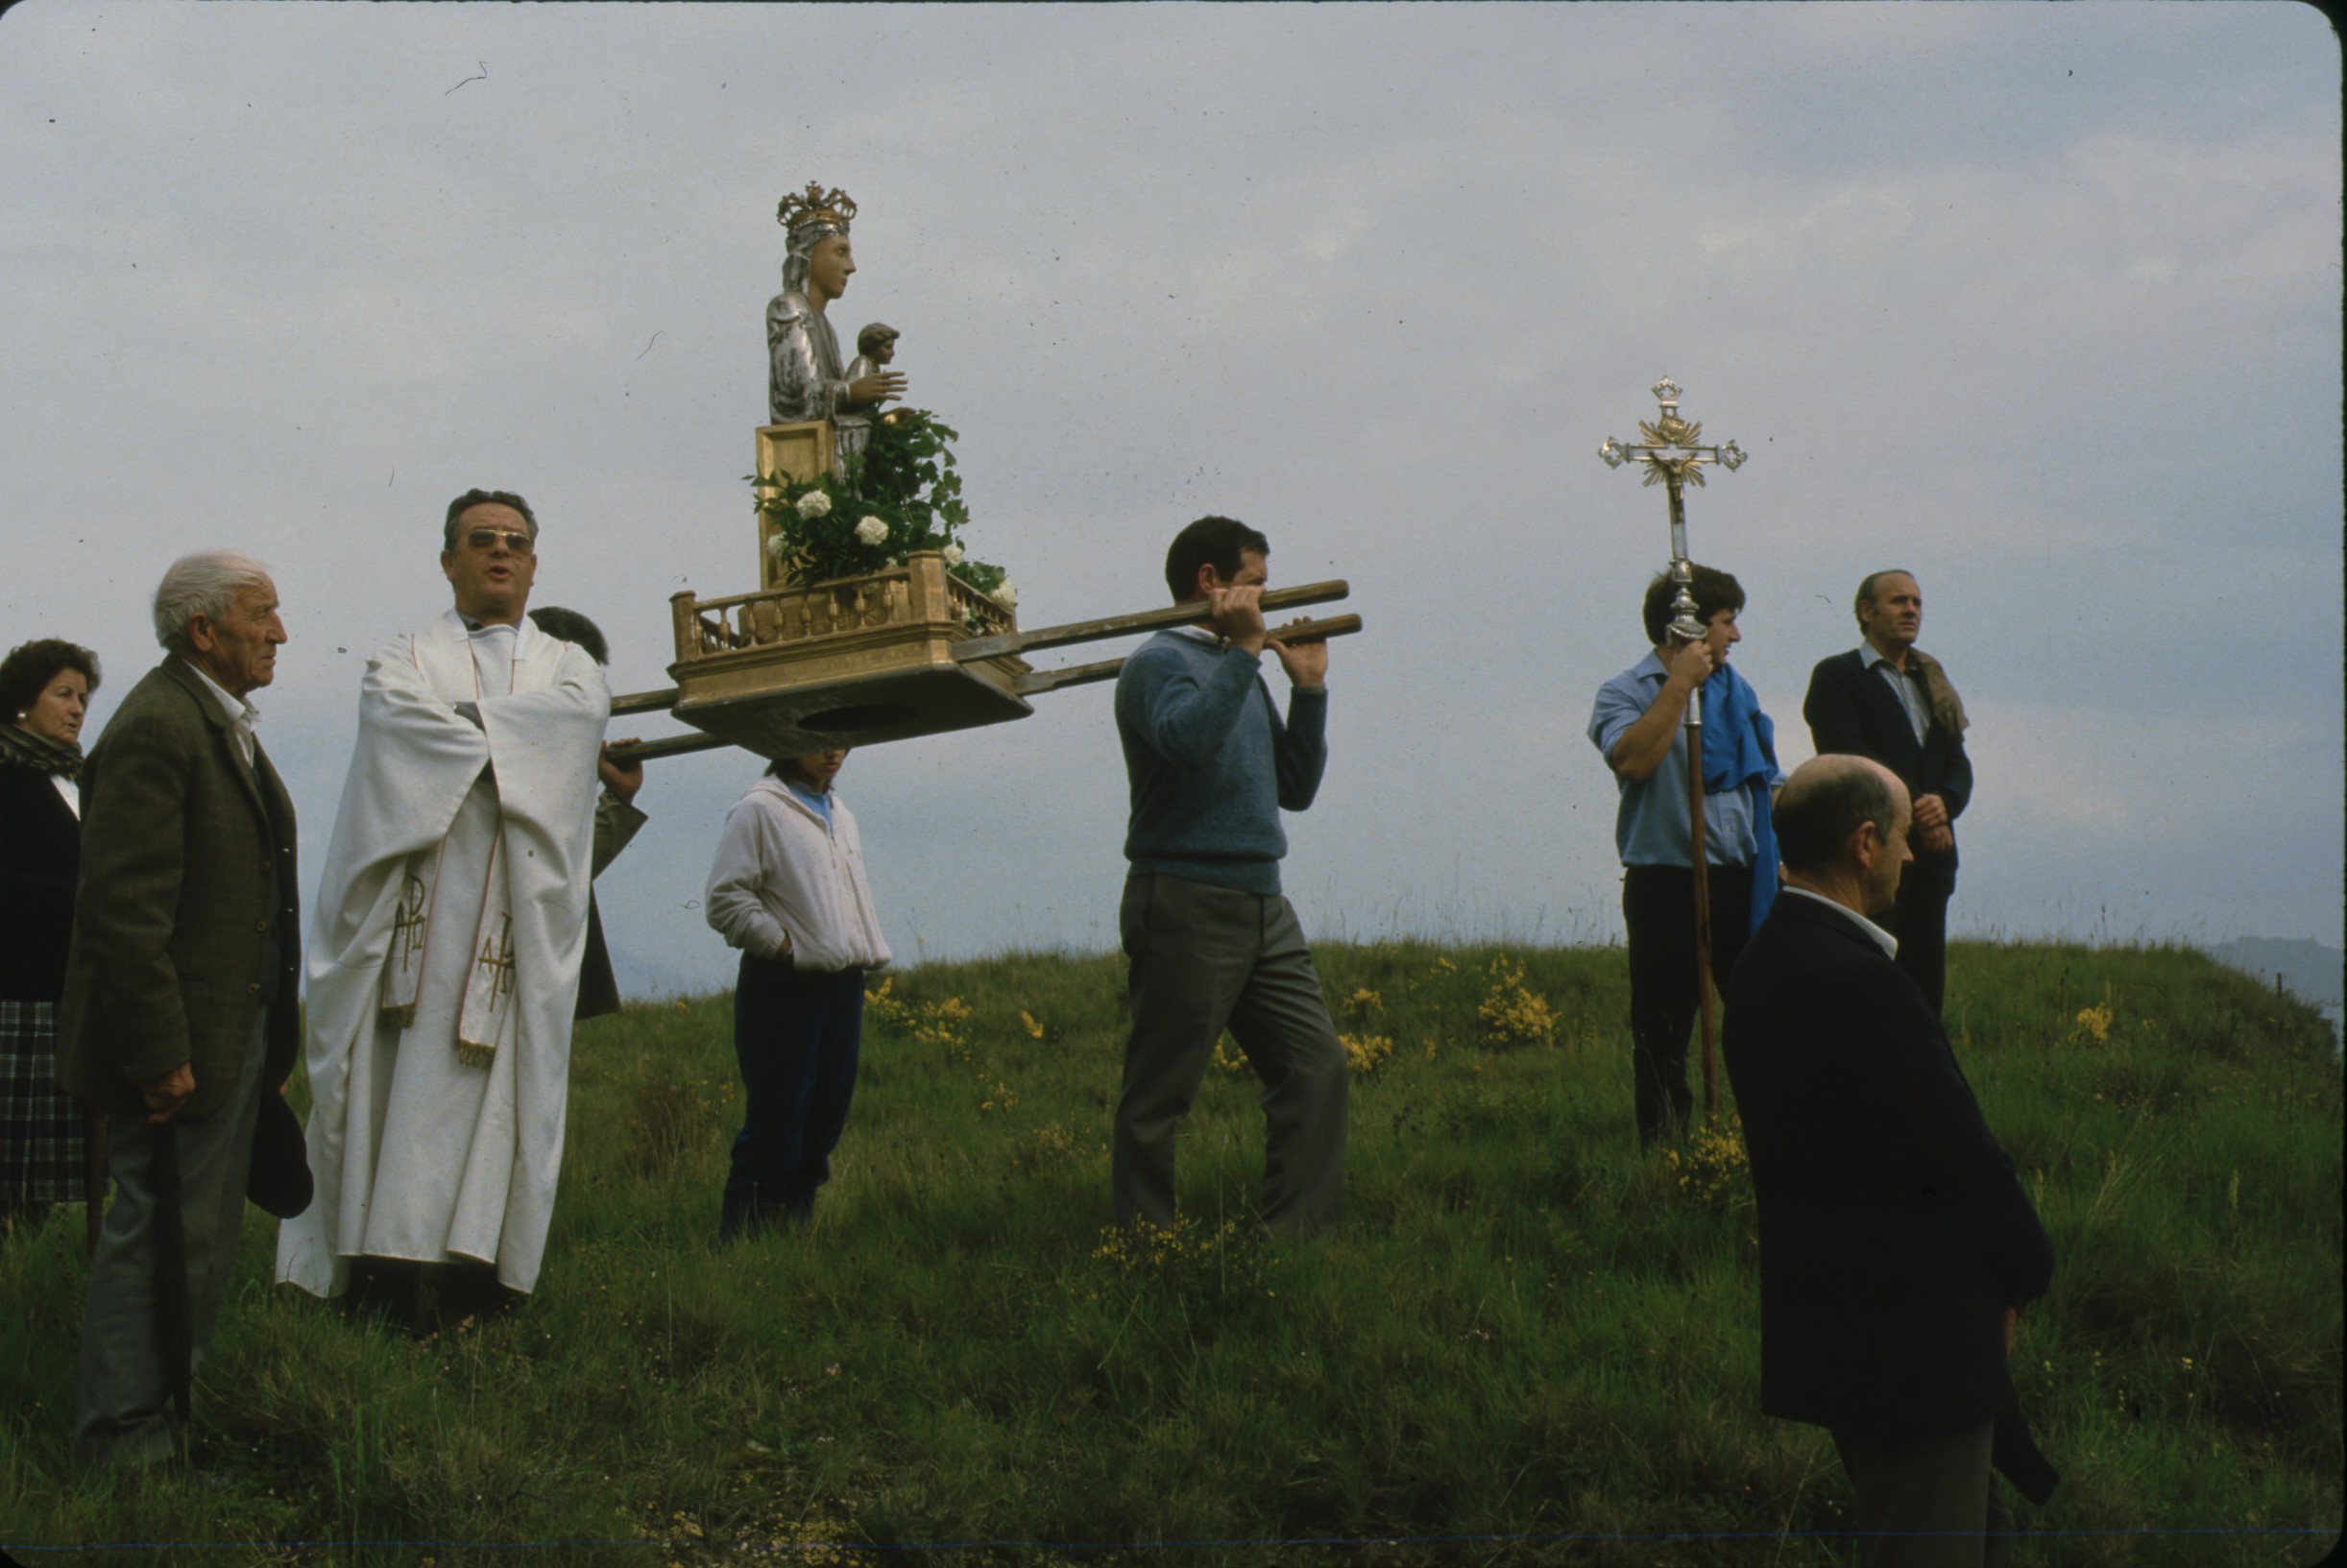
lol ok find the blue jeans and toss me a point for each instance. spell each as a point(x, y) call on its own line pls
point(795, 1035)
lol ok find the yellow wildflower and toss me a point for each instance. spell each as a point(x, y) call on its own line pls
point(1365, 1053)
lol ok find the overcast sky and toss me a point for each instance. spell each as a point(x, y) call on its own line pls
point(2038, 301)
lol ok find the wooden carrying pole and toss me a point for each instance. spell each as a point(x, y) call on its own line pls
point(1052, 680)
point(1033, 682)
point(1190, 614)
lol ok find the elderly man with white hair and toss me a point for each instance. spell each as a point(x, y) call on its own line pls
point(180, 1010)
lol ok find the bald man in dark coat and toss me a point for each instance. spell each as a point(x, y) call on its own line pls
point(1897, 1246)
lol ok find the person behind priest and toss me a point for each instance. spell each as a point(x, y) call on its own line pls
point(1212, 941)
point(180, 1011)
point(45, 686)
point(787, 886)
point(1638, 723)
point(616, 818)
point(450, 927)
point(1897, 1246)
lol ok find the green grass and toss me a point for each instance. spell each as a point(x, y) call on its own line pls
point(1523, 1329)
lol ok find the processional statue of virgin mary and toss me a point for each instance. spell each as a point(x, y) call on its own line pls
point(870, 623)
point(804, 380)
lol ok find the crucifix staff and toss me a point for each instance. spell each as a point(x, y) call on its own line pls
point(1673, 459)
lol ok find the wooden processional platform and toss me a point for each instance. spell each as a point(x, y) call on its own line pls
point(801, 667)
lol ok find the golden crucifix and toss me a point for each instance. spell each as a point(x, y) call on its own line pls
point(1673, 459)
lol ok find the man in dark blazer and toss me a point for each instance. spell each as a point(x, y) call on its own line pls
point(180, 1011)
point(1896, 1247)
point(1889, 700)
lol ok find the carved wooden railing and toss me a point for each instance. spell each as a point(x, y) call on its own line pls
point(922, 592)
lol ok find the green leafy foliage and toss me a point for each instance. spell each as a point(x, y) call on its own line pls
point(900, 495)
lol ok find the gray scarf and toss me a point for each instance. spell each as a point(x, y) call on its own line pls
point(21, 748)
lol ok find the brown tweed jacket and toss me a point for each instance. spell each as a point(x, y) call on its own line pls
point(184, 860)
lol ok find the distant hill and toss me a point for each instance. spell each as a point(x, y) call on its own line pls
point(2310, 971)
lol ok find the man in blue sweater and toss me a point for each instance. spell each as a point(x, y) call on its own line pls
point(1212, 942)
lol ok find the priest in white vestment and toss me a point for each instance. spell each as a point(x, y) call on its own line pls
point(448, 931)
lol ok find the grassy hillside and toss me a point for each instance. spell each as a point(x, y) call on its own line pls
point(1525, 1329)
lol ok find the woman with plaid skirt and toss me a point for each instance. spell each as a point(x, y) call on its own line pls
point(44, 693)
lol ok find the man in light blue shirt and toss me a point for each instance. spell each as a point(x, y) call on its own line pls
point(1639, 725)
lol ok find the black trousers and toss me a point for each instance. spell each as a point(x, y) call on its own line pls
point(1659, 908)
point(1919, 922)
point(797, 1035)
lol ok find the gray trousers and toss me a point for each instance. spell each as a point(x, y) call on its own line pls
point(1206, 958)
point(121, 1395)
point(1933, 1497)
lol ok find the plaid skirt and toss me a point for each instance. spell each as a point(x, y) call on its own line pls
point(43, 1137)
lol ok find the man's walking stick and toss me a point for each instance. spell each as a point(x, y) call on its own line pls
point(174, 1319)
point(93, 1175)
point(1673, 459)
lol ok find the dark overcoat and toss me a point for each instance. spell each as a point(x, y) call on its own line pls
point(1853, 709)
point(1893, 1233)
point(616, 822)
point(188, 857)
point(41, 856)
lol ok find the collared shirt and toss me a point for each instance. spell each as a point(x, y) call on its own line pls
point(1881, 938)
point(493, 655)
point(1904, 682)
point(242, 715)
point(1651, 828)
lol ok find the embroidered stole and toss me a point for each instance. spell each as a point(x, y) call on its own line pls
point(489, 982)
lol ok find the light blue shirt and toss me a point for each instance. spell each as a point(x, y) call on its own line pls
point(1651, 828)
point(819, 804)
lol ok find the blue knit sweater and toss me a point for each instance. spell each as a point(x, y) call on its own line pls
point(1211, 765)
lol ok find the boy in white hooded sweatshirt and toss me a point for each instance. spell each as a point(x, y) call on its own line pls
point(787, 888)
